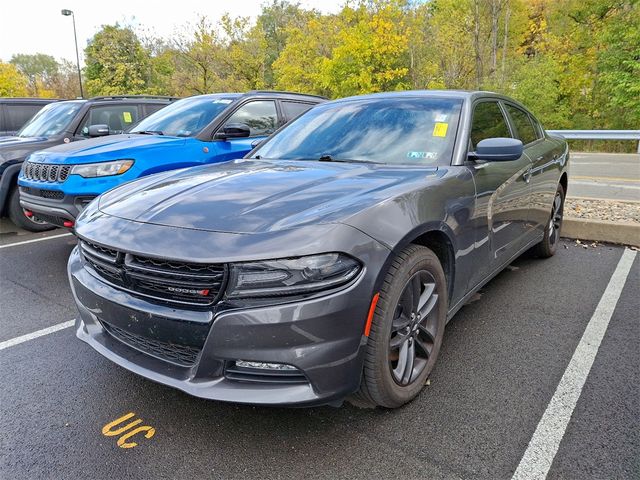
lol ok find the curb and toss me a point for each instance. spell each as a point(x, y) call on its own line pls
point(626, 233)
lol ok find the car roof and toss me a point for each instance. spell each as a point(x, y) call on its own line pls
point(263, 93)
point(28, 100)
point(287, 95)
point(460, 94)
point(136, 98)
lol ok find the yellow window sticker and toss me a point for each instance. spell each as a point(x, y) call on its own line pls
point(128, 119)
point(440, 129)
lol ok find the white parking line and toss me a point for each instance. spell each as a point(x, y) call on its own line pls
point(542, 449)
point(42, 239)
point(40, 333)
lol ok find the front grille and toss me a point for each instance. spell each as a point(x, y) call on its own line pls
point(182, 355)
point(45, 172)
point(166, 281)
point(40, 192)
point(260, 375)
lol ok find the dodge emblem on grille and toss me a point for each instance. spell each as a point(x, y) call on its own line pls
point(188, 290)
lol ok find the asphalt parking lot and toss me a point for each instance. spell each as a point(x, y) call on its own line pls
point(503, 358)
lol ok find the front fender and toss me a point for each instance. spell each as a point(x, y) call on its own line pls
point(445, 203)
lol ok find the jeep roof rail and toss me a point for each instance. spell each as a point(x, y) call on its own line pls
point(289, 93)
point(134, 97)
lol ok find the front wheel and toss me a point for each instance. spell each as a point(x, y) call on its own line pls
point(18, 217)
point(406, 331)
point(547, 247)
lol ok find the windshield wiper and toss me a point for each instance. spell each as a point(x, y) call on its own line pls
point(329, 158)
point(149, 132)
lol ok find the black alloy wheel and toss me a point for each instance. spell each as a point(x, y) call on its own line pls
point(406, 331)
point(414, 328)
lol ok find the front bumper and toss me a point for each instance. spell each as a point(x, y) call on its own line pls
point(53, 206)
point(322, 337)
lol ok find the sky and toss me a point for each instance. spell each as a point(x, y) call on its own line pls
point(36, 26)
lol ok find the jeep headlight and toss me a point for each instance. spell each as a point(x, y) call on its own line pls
point(102, 169)
point(291, 276)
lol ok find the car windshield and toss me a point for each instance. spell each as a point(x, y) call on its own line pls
point(184, 118)
point(52, 120)
point(400, 130)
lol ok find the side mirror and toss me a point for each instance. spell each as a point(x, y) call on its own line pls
point(498, 149)
point(233, 130)
point(99, 130)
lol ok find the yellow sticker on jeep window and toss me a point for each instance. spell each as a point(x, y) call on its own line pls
point(126, 116)
point(440, 129)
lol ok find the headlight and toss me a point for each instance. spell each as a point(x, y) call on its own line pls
point(103, 169)
point(291, 276)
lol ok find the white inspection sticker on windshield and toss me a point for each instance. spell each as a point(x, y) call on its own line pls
point(222, 100)
point(427, 155)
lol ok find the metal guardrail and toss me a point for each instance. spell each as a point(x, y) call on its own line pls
point(599, 135)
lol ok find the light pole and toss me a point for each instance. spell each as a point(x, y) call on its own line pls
point(66, 13)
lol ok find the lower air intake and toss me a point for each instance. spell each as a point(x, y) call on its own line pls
point(264, 375)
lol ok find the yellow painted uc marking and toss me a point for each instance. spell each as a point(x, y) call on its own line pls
point(122, 441)
point(109, 430)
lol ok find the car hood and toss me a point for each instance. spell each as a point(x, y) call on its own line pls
point(20, 140)
point(111, 147)
point(251, 196)
point(16, 148)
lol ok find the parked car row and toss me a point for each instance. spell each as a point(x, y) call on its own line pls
point(60, 123)
point(322, 265)
point(57, 183)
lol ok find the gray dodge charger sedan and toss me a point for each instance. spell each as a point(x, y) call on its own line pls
point(326, 264)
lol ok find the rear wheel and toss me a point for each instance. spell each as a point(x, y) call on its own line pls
point(547, 247)
point(406, 332)
point(20, 219)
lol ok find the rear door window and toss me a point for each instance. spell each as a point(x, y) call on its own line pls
point(117, 117)
point(260, 116)
point(292, 110)
point(524, 127)
point(150, 108)
point(488, 122)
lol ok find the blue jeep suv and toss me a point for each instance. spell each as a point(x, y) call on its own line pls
point(59, 123)
point(57, 183)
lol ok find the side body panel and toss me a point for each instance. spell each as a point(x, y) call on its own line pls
point(446, 203)
point(549, 162)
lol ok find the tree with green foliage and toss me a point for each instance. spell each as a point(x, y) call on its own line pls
point(575, 63)
point(371, 52)
point(275, 22)
point(116, 62)
point(198, 65)
point(301, 64)
point(40, 69)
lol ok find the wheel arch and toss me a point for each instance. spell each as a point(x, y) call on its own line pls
point(564, 181)
point(440, 244)
point(8, 181)
point(438, 237)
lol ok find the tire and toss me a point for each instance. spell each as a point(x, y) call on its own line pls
point(549, 244)
point(395, 332)
point(17, 216)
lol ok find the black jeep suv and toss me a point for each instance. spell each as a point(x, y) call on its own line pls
point(64, 122)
